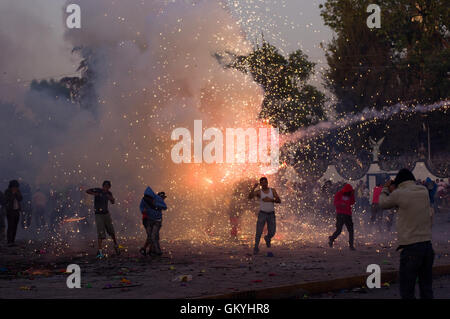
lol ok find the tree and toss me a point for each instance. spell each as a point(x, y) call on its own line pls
point(407, 59)
point(78, 90)
point(289, 102)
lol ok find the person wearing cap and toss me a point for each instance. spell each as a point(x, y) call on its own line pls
point(414, 223)
point(344, 199)
point(103, 219)
point(151, 207)
point(12, 201)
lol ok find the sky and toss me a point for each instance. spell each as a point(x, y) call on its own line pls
point(141, 94)
point(288, 24)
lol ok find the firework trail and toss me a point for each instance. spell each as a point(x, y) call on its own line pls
point(366, 115)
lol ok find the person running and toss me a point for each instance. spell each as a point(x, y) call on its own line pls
point(414, 224)
point(343, 201)
point(102, 216)
point(13, 199)
point(151, 208)
point(267, 197)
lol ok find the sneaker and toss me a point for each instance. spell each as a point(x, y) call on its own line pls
point(143, 251)
point(352, 248)
point(100, 255)
point(255, 251)
point(267, 241)
point(330, 241)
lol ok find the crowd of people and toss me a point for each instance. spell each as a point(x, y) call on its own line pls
point(47, 211)
point(415, 202)
point(414, 205)
point(316, 202)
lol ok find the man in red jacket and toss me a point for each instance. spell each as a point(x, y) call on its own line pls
point(343, 201)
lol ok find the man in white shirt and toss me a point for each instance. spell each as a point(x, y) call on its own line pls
point(268, 197)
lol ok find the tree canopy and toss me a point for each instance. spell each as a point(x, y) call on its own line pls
point(406, 60)
point(289, 102)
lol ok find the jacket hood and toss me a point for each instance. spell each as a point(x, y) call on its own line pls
point(149, 192)
point(347, 188)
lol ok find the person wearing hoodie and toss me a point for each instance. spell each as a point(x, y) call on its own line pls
point(414, 233)
point(343, 201)
point(12, 201)
point(151, 207)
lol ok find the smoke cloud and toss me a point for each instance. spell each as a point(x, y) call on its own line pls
point(154, 70)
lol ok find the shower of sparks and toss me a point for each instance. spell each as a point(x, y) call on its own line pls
point(160, 74)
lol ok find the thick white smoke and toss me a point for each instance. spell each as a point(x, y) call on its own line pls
point(155, 70)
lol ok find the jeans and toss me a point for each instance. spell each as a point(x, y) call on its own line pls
point(152, 227)
point(264, 218)
point(341, 220)
point(13, 217)
point(416, 261)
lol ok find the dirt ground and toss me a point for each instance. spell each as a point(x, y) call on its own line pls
point(441, 290)
point(37, 270)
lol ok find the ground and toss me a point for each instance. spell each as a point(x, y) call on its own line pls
point(35, 270)
point(441, 290)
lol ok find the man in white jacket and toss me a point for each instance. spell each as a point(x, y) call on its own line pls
point(414, 232)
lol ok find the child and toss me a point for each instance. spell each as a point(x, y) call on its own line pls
point(151, 208)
